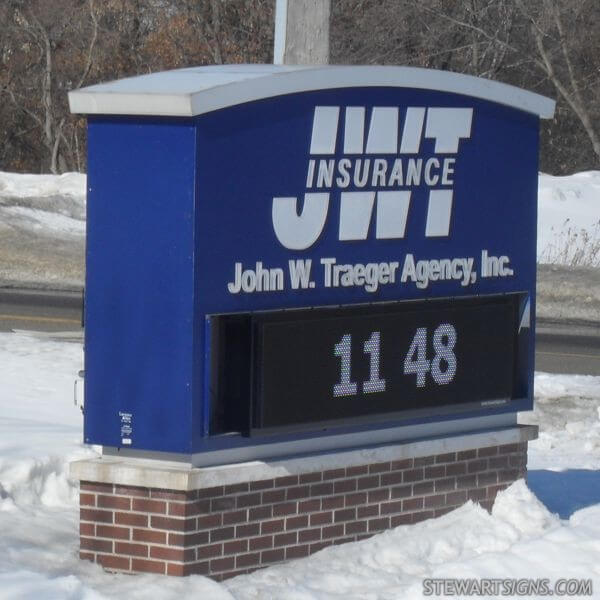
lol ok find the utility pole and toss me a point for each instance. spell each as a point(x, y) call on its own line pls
point(302, 32)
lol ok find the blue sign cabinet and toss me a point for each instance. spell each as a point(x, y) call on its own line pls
point(242, 220)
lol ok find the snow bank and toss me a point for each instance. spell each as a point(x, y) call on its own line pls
point(569, 219)
point(40, 432)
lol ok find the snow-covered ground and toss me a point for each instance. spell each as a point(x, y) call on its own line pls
point(550, 530)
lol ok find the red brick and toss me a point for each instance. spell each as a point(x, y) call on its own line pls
point(259, 513)
point(458, 468)
point(465, 482)
point(87, 529)
point(96, 545)
point(222, 564)
point(173, 524)
point(149, 535)
point(189, 509)
point(118, 502)
point(209, 521)
point(131, 519)
point(345, 540)
point(444, 485)
point(247, 560)
point(265, 484)
point(476, 466)
point(446, 458)
point(323, 518)
point(438, 512)
point(508, 475)
point(365, 512)
point(466, 455)
point(272, 556)
point(334, 474)
point(288, 508)
point(411, 504)
point(210, 551)
point(148, 566)
point(356, 471)
point(392, 478)
point(360, 498)
point(435, 472)
point(517, 460)
point(379, 524)
point(402, 491)
point(388, 508)
point(364, 483)
point(261, 543)
point(286, 481)
point(333, 531)
point(238, 516)
point(310, 477)
point(224, 503)
point(102, 488)
point(414, 475)
point(189, 539)
point(344, 485)
point(236, 488)
point(404, 463)
point(309, 506)
point(476, 494)
point(175, 495)
point(332, 502)
point(115, 533)
point(285, 539)
point(173, 554)
point(199, 568)
point(424, 461)
point(177, 570)
point(272, 496)
point(309, 535)
point(318, 546)
point(293, 552)
point(355, 527)
point(375, 496)
point(110, 561)
point(87, 500)
point(487, 478)
point(425, 487)
point(296, 522)
point(98, 516)
point(247, 530)
point(499, 462)
point(508, 448)
point(494, 489)
point(130, 490)
point(456, 498)
point(321, 489)
point(345, 514)
point(222, 534)
point(398, 520)
point(422, 516)
point(210, 492)
point(489, 451)
point(380, 467)
point(245, 500)
point(435, 501)
point(131, 549)
point(274, 526)
point(87, 556)
point(235, 547)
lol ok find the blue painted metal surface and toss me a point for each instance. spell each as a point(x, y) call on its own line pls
point(174, 204)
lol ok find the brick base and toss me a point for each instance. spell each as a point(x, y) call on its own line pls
point(233, 529)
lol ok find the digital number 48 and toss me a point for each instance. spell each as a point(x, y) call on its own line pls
point(442, 367)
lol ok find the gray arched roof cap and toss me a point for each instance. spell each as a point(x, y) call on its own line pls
point(197, 90)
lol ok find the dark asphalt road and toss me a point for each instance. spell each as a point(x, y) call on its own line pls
point(560, 347)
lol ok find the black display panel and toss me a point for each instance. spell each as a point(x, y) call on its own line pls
point(348, 364)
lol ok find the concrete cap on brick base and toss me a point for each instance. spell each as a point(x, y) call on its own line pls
point(155, 474)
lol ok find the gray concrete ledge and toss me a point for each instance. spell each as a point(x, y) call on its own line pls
point(154, 474)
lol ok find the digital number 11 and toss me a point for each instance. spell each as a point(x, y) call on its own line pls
point(344, 350)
